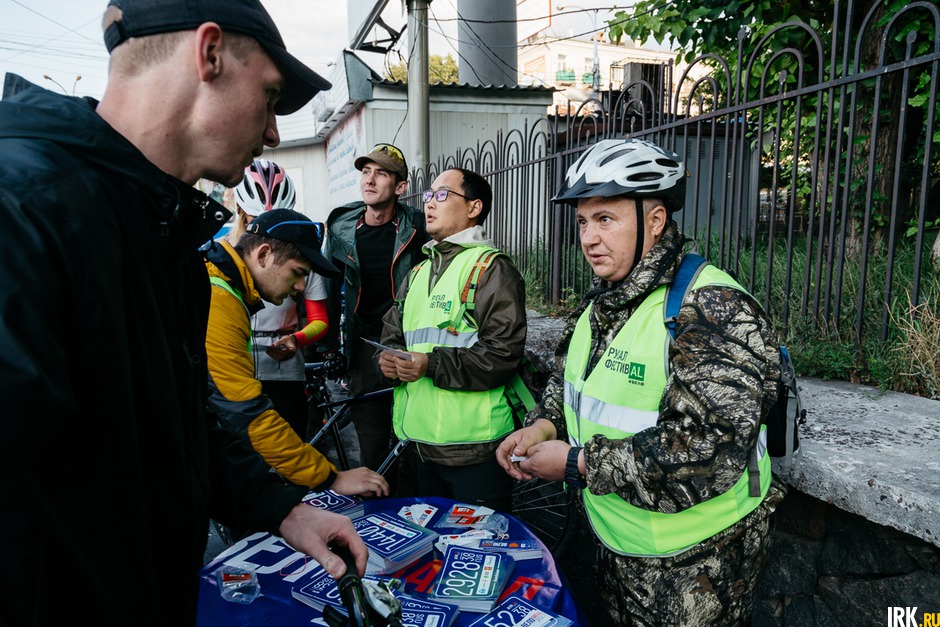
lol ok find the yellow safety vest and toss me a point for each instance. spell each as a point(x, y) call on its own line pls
point(621, 397)
point(422, 412)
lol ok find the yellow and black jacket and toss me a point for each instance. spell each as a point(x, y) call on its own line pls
point(235, 393)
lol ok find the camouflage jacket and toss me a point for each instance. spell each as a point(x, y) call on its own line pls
point(724, 370)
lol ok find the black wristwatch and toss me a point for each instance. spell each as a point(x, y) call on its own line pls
point(572, 476)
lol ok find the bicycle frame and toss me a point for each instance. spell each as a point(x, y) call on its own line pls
point(337, 418)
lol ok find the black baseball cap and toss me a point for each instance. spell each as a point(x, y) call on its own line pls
point(296, 228)
point(141, 18)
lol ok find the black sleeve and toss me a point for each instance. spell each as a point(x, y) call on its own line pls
point(245, 494)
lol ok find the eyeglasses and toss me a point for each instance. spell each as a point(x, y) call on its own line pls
point(391, 151)
point(440, 195)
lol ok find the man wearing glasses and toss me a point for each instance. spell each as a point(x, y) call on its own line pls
point(270, 261)
point(375, 243)
point(461, 318)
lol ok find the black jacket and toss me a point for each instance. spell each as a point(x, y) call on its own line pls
point(107, 453)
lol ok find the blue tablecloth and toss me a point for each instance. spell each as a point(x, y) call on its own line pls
point(280, 568)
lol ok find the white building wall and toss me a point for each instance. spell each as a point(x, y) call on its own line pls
point(304, 165)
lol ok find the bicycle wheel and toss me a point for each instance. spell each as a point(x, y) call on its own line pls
point(549, 510)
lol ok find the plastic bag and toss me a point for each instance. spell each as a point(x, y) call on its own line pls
point(238, 585)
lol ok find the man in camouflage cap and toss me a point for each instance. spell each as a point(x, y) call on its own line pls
point(669, 453)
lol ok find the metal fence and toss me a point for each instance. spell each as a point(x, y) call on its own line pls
point(813, 169)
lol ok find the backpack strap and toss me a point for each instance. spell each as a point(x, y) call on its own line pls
point(521, 400)
point(692, 264)
point(689, 270)
point(468, 294)
point(520, 397)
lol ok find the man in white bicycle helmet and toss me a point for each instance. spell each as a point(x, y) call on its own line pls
point(657, 433)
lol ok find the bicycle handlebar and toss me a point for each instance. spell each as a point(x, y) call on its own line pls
point(352, 594)
point(332, 367)
point(375, 606)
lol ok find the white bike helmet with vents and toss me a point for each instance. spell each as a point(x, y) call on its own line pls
point(631, 167)
point(265, 186)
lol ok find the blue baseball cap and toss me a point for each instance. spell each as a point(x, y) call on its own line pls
point(294, 227)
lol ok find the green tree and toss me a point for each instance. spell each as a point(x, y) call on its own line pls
point(441, 70)
point(713, 27)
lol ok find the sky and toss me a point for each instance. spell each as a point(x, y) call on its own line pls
point(62, 39)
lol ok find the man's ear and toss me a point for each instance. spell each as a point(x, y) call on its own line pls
point(656, 221)
point(262, 255)
point(476, 207)
point(401, 188)
point(208, 48)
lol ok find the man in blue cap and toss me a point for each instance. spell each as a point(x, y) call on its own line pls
point(111, 462)
point(270, 262)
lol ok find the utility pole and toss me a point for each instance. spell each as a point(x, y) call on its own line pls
point(418, 85)
point(596, 82)
point(597, 63)
point(486, 42)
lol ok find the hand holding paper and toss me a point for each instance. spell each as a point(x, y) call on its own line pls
point(394, 351)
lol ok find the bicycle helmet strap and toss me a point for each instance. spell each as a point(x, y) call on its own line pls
point(640, 235)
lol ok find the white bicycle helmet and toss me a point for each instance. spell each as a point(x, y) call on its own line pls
point(631, 167)
point(265, 186)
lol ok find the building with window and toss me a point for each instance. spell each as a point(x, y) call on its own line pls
point(559, 52)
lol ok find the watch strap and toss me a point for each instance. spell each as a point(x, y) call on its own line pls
point(572, 476)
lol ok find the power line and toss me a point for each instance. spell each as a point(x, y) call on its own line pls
point(446, 38)
point(449, 40)
point(407, 108)
point(71, 30)
point(456, 50)
point(48, 41)
point(513, 78)
point(6, 44)
point(527, 19)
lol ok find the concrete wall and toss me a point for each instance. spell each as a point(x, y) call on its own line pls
point(830, 567)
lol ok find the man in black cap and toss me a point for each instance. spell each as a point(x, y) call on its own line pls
point(375, 242)
point(271, 261)
point(111, 463)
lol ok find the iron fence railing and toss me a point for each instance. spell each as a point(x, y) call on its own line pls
point(813, 170)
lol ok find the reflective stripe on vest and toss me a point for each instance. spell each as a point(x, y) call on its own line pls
point(620, 397)
point(440, 337)
point(432, 415)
